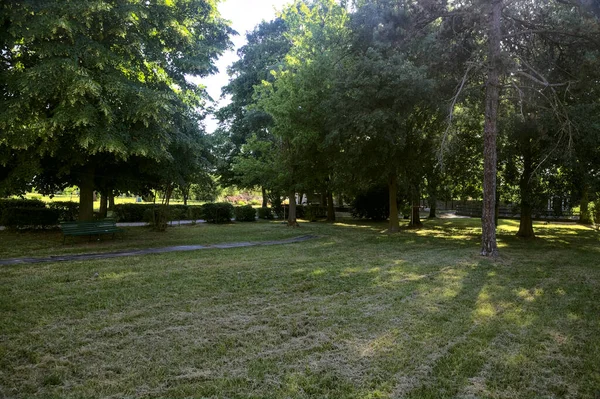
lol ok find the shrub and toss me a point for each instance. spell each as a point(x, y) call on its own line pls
point(245, 214)
point(18, 218)
point(158, 217)
point(20, 203)
point(218, 212)
point(265, 213)
point(131, 212)
point(255, 202)
point(372, 204)
point(314, 212)
point(67, 210)
point(194, 212)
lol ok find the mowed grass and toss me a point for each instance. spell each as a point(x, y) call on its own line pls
point(354, 313)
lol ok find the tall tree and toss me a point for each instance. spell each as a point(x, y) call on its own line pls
point(102, 77)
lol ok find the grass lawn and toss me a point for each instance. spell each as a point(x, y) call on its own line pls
point(355, 313)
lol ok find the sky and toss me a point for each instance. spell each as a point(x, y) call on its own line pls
point(244, 16)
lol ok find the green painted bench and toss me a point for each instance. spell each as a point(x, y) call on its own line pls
point(89, 228)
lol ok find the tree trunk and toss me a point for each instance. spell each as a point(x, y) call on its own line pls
point(585, 216)
point(264, 197)
point(323, 199)
point(497, 208)
point(415, 217)
point(393, 190)
point(330, 207)
point(86, 194)
point(340, 200)
point(111, 201)
point(432, 206)
point(292, 209)
point(103, 205)
point(526, 222)
point(489, 246)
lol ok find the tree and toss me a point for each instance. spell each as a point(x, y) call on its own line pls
point(93, 78)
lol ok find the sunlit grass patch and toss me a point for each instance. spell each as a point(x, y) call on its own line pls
point(354, 313)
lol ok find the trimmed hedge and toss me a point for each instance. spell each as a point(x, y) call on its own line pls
point(219, 212)
point(143, 212)
point(265, 213)
point(245, 214)
point(131, 212)
point(18, 218)
point(68, 211)
point(20, 203)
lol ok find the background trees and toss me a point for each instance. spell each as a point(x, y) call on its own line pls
point(90, 83)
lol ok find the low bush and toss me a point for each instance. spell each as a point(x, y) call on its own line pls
point(20, 218)
point(131, 212)
point(20, 203)
point(245, 213)
point(265, 213)
point(158, 216)
point(217, 212)
point(68, 211)
point(314, 212)
point(194, 212)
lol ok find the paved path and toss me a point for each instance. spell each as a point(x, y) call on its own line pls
point(147, 251)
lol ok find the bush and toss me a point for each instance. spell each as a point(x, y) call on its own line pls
point(245, 214)
point(194, 212)
point(158, 217)
point(314, 212)
point(218, 212)
point(265, 213)
point(68, 211)
point(131, 212)
point(18, 218)
point(372, 204)
point(255, 202)
point(20, 203)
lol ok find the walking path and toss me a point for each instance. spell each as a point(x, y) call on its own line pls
point(147, 251)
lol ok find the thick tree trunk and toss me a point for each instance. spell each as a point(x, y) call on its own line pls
point(432, 206)
point(86, 194)
point(330, 207)
point(264, 197)
point(415, 217)
point(585, 216)
point(111, 201)
point(526, 222)
point(103, 205)
point(393, 190)
point(489, 246)
point(292, 210)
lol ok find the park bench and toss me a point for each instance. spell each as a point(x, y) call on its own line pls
point(89, 228)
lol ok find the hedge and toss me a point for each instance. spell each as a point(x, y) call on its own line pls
point(219, 212)
point(20, 203)
point(245, 214)
point(265, 213)
point(29, 217)
point(68, 211)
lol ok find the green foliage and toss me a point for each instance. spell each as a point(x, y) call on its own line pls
point(314, 212)
point(265, 213)
point(94, 90)
point(372, 204)
point(68, 210)
point(21, 203)
point(245, 213)
point(218, 212)
point(131, 212)
point(35, 217)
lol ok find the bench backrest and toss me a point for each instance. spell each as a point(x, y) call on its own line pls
point(92, 225)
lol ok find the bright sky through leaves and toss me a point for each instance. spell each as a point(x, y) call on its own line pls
point(244, 16)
